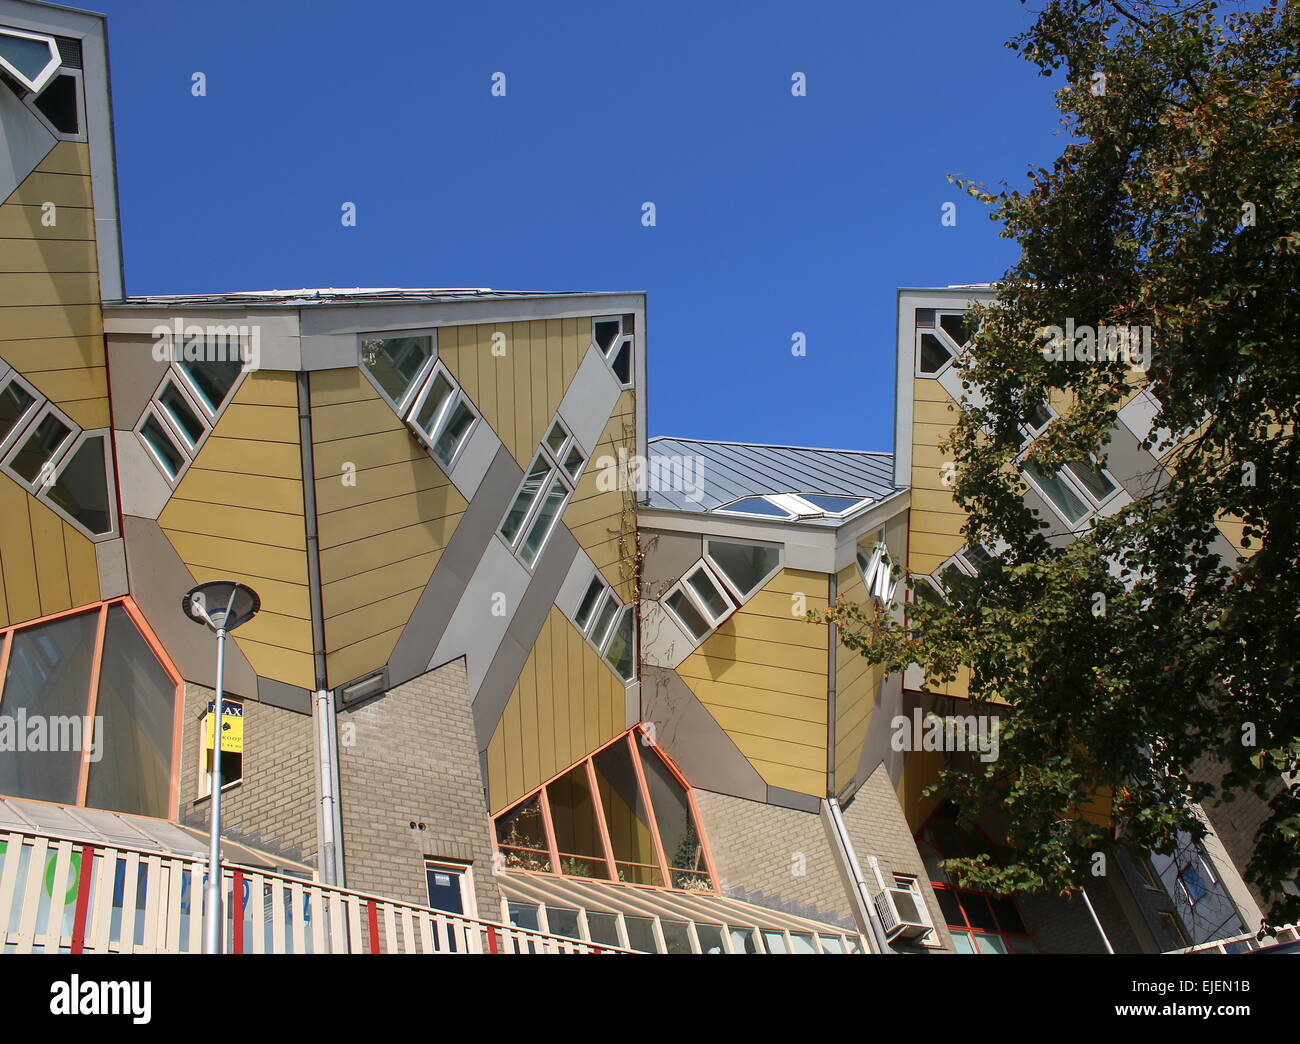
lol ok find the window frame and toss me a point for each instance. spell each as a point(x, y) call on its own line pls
point(55, 460)
point(51, 68)
point(796, 508)
point(8, 375)
point(207, 412)
point(204, 773)
point(464, 872)
point(110, 484)
point(402, 407)
point(422, 389)
point(944, 340)
point(154, 410)
point(868, 568)
point(79, 87)
point(191, 399)
point(602, 642)
point(555, 475)
point(683, 585)
point(626, 335)
point(1092, 504)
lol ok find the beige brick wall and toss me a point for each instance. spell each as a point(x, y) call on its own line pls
point(275, 805)
point(406, 757)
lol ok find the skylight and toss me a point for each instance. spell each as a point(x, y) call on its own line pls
point(801, 506)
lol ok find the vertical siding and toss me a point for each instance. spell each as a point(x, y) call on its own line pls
point(385, 512)
point(596, 517)
point(762, 675)
point(229, 519)
point(517, 392)
point(935, 524)
point(856, 682)
point(566, 703)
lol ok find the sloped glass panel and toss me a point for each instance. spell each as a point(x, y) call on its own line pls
point(756, 506)
point(588, 603)
point(745, 566)
point(541, 527)
point(831, 504)
point(180, 411)
point(677, 828)
point(620, 650)
point(1095, 481)
point(521, 836)
point(395, 362)
point(626, 816)
point(714, 600)
point(605, 331)
point(40, 446)
point(1062, 497)
point(28, 57)
point(213, 379)
point(955, 326)
point(577, 833)
point(81, 489)
point(46, 696)
point(137, 700)
point(163, 447)
point(688, 614)
point(528, 491)
point(431, 406)
point(454, 432)
point(934, 354)
point(14, 404)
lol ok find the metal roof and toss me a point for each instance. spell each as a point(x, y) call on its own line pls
point(731, 470)
point(354, 295)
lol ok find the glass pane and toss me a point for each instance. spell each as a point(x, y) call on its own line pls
point(81, 489)
point(58, 103)
point(161, 443)
point(677, 828)
point(677, 937)
point(1094, 481)
point(961, 942)
point(47, 690)
point(977, 911)
point(213, 379)
point(178, 409)
point(802, 943)
point(1061, 496)
point(454, 432)
point(626, 816)
point(690, 616)
point(710, 936)
point(990, 944)
point(714, 600)
point(950, 908)
point(955, 327)
point(524, 915)
point(832, 944)
point(603, 619)
point(521, 837)
point(445, 892)
point(40, 446)
point(555, 439)
point(756, 506)
point(395, 362)
point(742, 940)
point(431, 406)
point(604, 331)
point(619, 653)
point(1007, 914)
point(137, 700)
point(14, 402)
point(588, 603)
point(640, 934)
point(622, 363)
point(745, 565)
point(830, 503)
point(532, 485)
point(775, 942)
point(541, 527)
point(1039, 417)
point(603, 928)
point(29, 57)
point(573, 462)
point(563, 921)
point(577, 834)
point(934, 353)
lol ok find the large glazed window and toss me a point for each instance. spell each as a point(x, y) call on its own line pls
point(601, 819)
point(542, 496)
point(81, 490)
point(30, 58)
point(396, 363)
point(212, 380)
point(744, 566)
point(124, 715)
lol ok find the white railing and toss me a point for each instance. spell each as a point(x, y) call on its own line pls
point(1245, 943)
point(59, 895)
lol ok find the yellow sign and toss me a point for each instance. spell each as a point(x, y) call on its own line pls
point(232, 727)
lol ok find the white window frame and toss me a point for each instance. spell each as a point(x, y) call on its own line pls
point(465, 873)
point(1030, 433)
point(738, 596)
point(30, 102)
point(402, 407)
point(601, 642)
point(51, 68)
point(566, 447)
point(187, 382)
point(439, 423)
point(683, 585)
point(943, 338)
point(877, 571)
point(555, 474)
point(624, 336)
point(8, 376)
point(110, 485)
point(154, 410)
point(797, 509)
point(56, 457)
point(1094, 505)
point(182, 384)
point(726, 509)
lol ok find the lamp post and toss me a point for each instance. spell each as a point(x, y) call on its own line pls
point(221, 606)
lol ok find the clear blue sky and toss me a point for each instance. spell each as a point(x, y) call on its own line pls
point(775, 213)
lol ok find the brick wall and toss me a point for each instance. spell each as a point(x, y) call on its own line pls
point(406, 757)
point(274, 808)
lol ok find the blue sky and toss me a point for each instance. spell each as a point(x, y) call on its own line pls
point(775, 214)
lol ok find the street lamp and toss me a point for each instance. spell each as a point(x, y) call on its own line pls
point(221, 606)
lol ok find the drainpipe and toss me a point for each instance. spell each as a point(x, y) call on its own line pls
point(331, 851)
point(864, 909)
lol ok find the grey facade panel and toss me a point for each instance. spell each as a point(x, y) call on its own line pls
point(280, 694)
point(24, 142)
point(133, 375)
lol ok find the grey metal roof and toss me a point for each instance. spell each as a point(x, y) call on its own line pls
point(352, 296)
point(731, 470)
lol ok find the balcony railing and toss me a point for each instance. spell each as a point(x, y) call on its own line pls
point(1245, 943)
point(59, 895)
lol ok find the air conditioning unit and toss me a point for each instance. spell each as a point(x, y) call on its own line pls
point(903, 914)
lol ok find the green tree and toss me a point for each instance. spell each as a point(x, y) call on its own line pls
point(1173, 206)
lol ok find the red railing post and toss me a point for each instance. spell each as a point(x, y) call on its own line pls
point(83, 900)
point(237, 909)
point(372, 915)
point(492, 940)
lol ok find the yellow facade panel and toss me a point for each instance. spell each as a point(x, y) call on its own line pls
point(271, 661)
point(249, 457)
point(219, 553)
point(63, 190)
point(342, 596)
point(75, 320)
point(392, 610)
point(333, 460)
point(20, 221)
point(282, 495)
point(236, 524)
point(48, 255)
point(50, 288)
point(67, 157)
point(261, 423)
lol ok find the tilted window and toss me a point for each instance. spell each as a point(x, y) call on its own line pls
point(613, 336)
point(397, 364)
point(441, 415)
point(700, 601)
point(609, 625)
point(744, 565)
point(543, 494)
